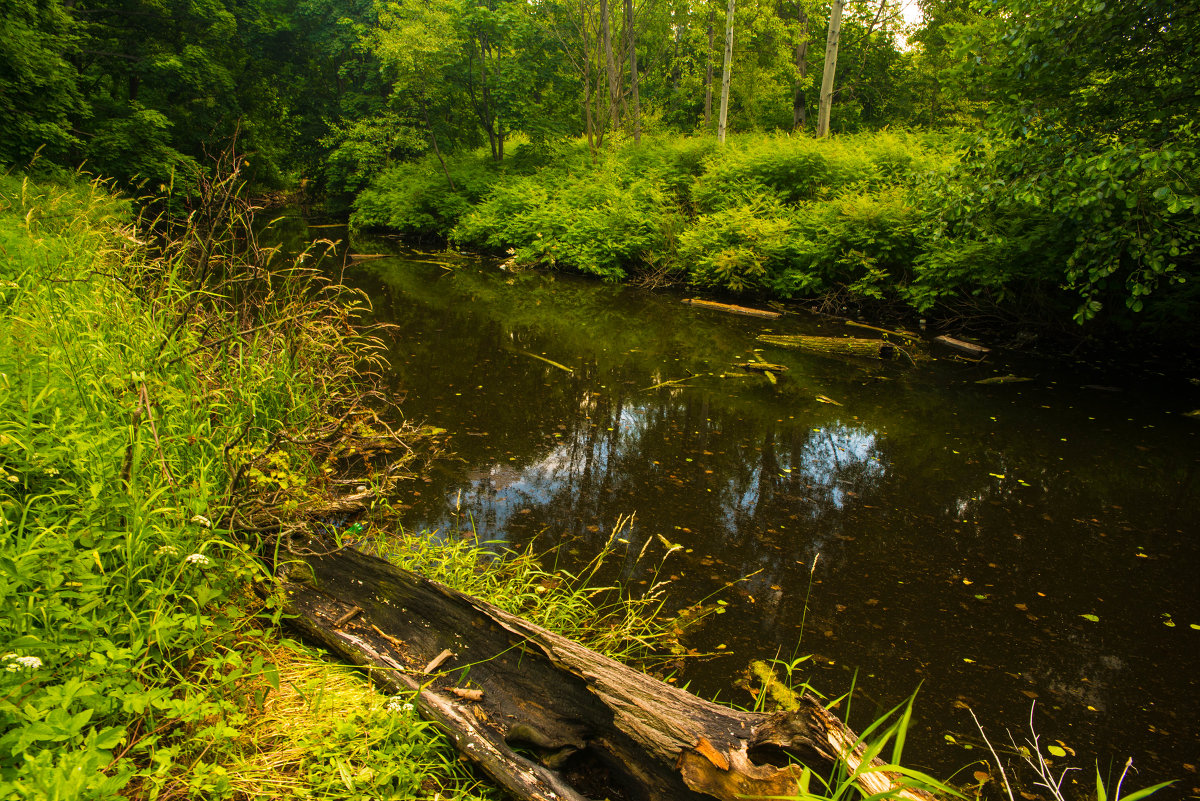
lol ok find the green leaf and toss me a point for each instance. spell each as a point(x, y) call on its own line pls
point(1092, 618)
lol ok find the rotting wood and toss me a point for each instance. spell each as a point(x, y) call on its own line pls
point(366, 256)
point(592, 727)
point(731, 309)
point(833, 346)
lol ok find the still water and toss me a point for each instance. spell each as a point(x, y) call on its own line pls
point(992, 544)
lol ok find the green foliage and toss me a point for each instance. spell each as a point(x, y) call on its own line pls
point(789, 216)
point(115, 590)
point(416, 199)
point(38, 86)
point(1092, 137)
point(599, 221)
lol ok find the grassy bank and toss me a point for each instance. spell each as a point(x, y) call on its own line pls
point(906, 223)
point(154, 400)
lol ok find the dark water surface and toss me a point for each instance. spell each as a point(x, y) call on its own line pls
point(990, 543)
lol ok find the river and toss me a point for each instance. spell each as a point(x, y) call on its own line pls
point(994, 544)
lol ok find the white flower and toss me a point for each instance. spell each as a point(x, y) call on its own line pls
point(198, 559)
point(166, 550)
point(397, 704)
point(15, 662)
point(202, 520)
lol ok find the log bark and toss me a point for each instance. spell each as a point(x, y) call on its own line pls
point(732, 309)
point(544, 716)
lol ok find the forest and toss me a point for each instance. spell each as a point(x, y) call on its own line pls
point(1008, 163)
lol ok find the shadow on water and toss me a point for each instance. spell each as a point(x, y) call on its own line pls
point(992, 543)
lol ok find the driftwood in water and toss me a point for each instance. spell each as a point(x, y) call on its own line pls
point(544, 716)
point(762, 367)
point(366, 256)
point(731, 309)
point(965, 348)
point(904, 335)
point(833, 346)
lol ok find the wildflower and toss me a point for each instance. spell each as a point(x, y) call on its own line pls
point(198, 559)
point(15, 662)
point(13, 479)
point(202, 520)
point(167, 550)
point(396, 704)
point(50, 471)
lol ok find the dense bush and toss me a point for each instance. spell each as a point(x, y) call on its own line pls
point(417, 199)
point(925, 219)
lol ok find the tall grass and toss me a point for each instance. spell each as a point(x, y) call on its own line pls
point(152, 394)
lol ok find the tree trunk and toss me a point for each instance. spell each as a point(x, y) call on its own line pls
point(708, 73)
point(831, 50)
point(437, 151)
point(635, 112)
point(725, 74)
point(614, 78)
point(589, 118)
point(545, 717)
point(799, 102)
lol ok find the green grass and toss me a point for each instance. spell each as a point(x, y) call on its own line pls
point(137, 659)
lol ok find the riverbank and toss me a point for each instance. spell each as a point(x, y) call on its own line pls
point(893, 225)
point(166, 405)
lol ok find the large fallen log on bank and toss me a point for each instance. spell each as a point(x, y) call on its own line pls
point(544, 716)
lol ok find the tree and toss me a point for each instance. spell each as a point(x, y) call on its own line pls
point(831, 55)
point(726, 73)
point(1091, 136)
point(39, 92)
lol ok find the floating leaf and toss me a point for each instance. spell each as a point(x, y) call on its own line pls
point(1092, 618)
point(1055, 750)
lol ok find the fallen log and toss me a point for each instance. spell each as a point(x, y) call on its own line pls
point(731, 309)
point(833, 346)
point(547, 718)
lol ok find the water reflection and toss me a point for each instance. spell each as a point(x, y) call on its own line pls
point(927, 530)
